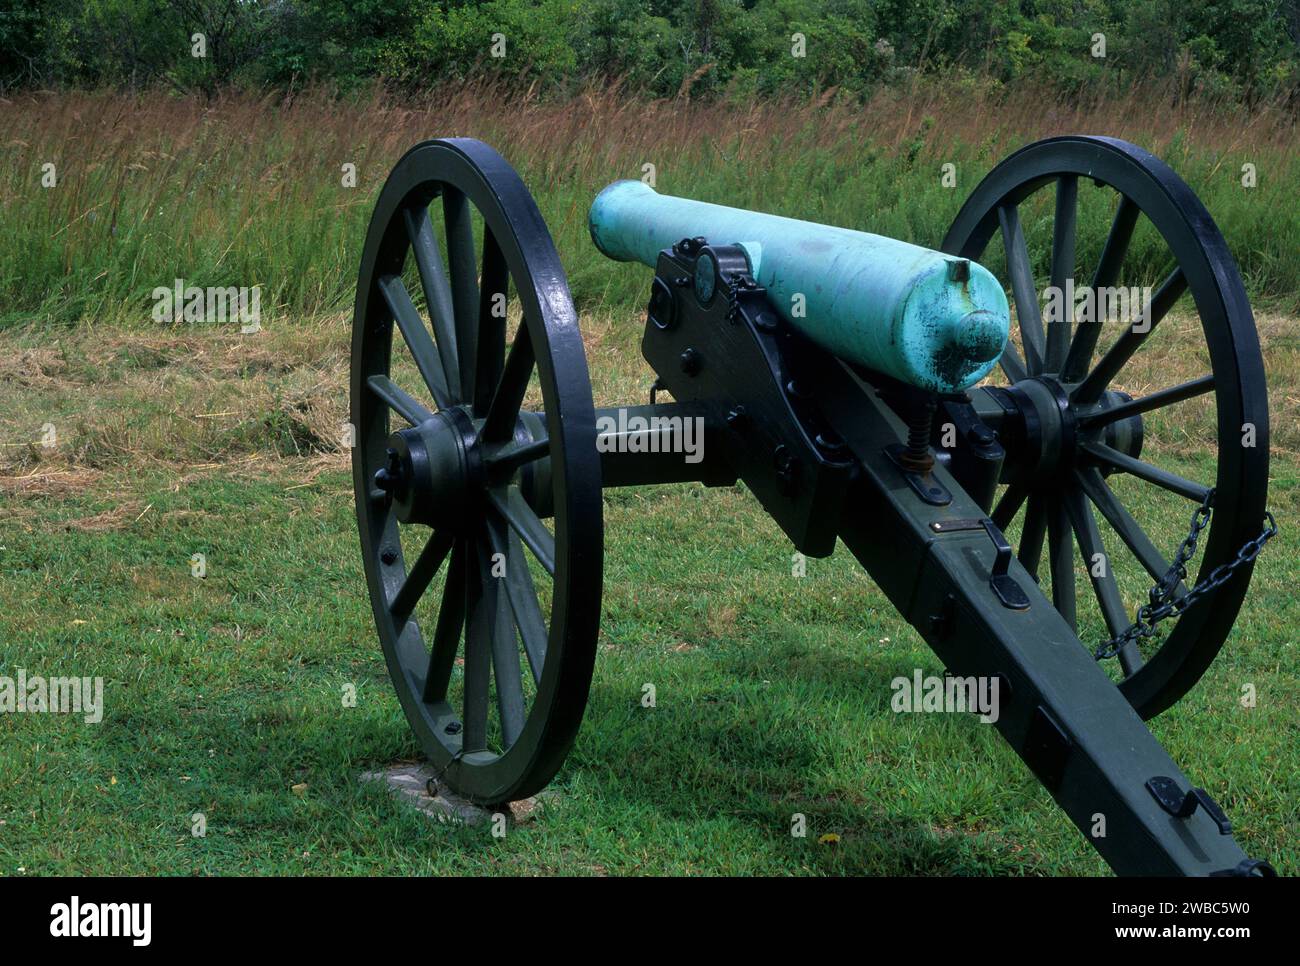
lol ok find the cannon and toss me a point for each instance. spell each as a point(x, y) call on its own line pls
point(866, 391)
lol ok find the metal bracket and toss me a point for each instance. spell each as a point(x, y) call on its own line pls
point(1172, 799)
point(1047, 748)
point(964, 523)
point(727, 352)
point(927, 487)
point(1003, 584)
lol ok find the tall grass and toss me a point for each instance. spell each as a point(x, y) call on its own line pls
point(246, 191)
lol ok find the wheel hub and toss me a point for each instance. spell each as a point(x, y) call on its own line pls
point(1049, 430)
point(433, 473)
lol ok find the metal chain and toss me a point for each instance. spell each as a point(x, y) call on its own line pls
point(1163, 603)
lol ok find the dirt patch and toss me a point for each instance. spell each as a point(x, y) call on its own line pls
point(118, 518)
point(129, 399)
point(62, 482)
point(39, 368)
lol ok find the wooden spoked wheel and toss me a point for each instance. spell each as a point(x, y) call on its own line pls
point(1135, 418)
point(478, 490)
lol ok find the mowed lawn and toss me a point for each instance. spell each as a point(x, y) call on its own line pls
point(224, 696)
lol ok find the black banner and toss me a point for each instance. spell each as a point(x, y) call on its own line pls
point(304, 915)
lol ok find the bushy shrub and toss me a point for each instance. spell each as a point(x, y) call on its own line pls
point(1241, 49)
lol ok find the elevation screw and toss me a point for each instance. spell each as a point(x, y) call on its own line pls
point(916, 456)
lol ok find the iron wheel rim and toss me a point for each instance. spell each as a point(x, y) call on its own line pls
point(467, 176)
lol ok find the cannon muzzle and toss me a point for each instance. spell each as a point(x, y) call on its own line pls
point(929, 319)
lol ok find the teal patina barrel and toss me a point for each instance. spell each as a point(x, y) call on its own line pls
point(926, 318)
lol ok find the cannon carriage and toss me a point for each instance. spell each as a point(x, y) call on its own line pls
point(866, 391)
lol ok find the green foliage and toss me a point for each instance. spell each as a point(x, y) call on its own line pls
point(1234, 48)
point(461, 40)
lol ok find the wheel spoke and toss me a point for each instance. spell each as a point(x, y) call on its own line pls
point(1010, 503)
point(522, 595)
point(1099, 571)
point(417, 337)
point(1061, 561)
point(1104, 585)
point(1112, 257)
point(1170, 291)
point(1022, 287)
point(1130, 659)
point(499, 423)
point(525, 522)
point(1146, 471)
point(402, 403)
point(1122, 522)
point(1063, 235)
point(463, 268)
point(505, 663)
point(1116, 248)
point(437, 293)
point(1155, 400)
point(451, 619)
point(1031, 534)
point(482, 607)
point(505, 650)
point(1012, 365)
point(493, 296)
point(515, 454)
point(419, 577)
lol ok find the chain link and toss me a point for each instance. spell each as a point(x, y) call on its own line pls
point(1162, 603)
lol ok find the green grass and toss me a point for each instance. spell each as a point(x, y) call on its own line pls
point(222, 694)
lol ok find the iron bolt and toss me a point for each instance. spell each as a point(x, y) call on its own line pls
point(689, 246)
point(765, 321)
point(388, 555)
point(453, 727)
point(690, 362)
point(738, 419)
point(787, 468)
point(389, 477)
point(829, 443)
